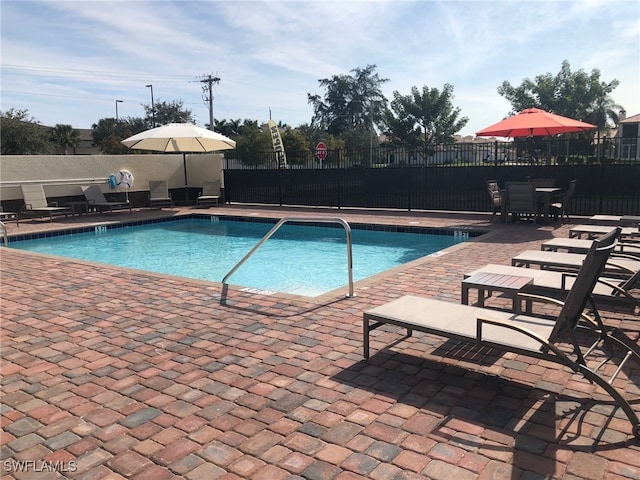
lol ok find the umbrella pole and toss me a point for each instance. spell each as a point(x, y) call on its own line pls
point(184, 166)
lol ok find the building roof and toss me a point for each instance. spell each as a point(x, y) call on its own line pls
point(632, 119)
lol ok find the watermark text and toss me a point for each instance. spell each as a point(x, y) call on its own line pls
point(11, 465)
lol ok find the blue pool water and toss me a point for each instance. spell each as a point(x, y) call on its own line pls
point(300, 259)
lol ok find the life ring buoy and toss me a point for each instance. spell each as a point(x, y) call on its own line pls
point(126, 179)
point(112, 181)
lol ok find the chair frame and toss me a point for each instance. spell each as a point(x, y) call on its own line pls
point(528, 335)
point(97, 200)
point(207, 196)
point(496, 196)
point(559, 206)
point(157, 187)
point(36, 203)
point(522, 200)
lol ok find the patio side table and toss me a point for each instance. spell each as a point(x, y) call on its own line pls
point(83, 207)
point(490, 282)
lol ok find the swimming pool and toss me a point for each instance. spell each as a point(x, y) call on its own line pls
point(303, 259)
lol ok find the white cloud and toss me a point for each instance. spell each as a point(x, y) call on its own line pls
point(75, 58)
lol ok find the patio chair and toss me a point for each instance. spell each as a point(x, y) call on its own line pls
point(209, 195)
point(522, 200)
point(534, 336)
point(36, 204)
point(561, 204)
point(495, 196)
point(97, 201)
point(159, 195)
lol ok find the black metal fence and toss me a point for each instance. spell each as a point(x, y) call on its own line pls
point(522, 151)
point(452, 179)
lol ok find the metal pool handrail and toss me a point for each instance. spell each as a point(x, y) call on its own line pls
point(342, 222)
point(4, 234)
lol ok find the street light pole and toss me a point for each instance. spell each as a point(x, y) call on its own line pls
point(117, 102)
point(153, 108)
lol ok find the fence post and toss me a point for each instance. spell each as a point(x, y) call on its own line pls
point(409, 189)
point(279, 185)
point(339, 200)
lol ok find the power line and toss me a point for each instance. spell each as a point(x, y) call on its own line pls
point(8, 69)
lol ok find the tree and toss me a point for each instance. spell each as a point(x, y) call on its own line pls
point(251, 142)
point(23, 135)
point(573, 94)
point(228, 128)
point(108, 133)
point(168, 112)
point(296, 146)
point(423, 119)
point(350, 101)
point(65, 136)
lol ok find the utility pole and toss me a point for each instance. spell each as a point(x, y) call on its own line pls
point(209, 81)
point(153, 107)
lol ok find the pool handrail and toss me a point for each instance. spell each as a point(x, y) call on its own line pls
point(5, 236)
point(281, 222)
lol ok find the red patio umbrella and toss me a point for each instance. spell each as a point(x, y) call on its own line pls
point(534, 122)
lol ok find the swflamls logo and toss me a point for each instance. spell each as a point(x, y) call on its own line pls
point(11, 465)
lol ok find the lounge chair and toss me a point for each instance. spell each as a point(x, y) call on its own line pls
point(97, 201)
point(579, 245)
point(210, 194)
point(522, 200)
point(619, 265)
point(159, 195)
point(36, 204)
point(528, 335)
point(4, 216)
point(622, 220)
point(610, 290)
point(590, 231)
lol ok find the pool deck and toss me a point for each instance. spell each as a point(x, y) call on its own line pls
point(110, 373)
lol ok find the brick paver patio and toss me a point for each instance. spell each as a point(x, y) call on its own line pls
point(112, 373)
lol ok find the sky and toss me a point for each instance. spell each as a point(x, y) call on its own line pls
point(67, 62)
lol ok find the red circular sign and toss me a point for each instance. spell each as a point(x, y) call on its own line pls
point(321, 151)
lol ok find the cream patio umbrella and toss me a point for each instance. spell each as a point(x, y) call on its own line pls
point(179, 138)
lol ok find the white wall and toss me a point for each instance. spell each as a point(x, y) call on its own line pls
point(62, 175)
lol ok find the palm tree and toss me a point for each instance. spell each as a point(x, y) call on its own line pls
point(604, 111)
point(65, 136)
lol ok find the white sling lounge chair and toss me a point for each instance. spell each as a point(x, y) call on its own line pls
point(528, 335)
point(36, 204)
point(619, 264)
point(611, 290)
point(590, 231)
point(210, 194)
point(97, 200)
point(159, 195)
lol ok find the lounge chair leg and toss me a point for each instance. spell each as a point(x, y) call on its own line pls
point(365, 339)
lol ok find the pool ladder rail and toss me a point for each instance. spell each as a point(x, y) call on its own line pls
point(5, 235)
point(281, 222)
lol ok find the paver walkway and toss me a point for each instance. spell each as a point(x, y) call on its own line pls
point(111, 373)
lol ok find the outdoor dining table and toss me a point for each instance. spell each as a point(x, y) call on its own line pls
point(545, 194)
